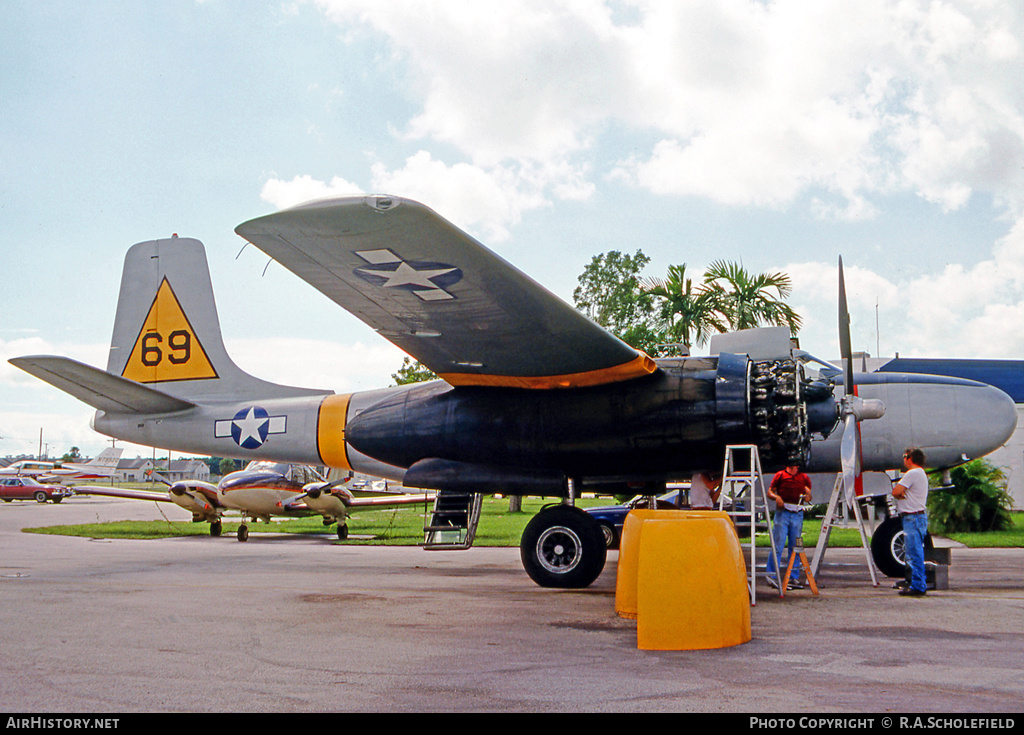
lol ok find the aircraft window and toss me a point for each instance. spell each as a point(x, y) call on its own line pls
point(812, 363)
point(278, 467)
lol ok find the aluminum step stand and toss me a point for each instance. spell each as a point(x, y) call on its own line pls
point(743, 482)
point(453, 521)
point(829, 521)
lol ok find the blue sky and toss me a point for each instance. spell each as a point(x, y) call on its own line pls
point(781, 134)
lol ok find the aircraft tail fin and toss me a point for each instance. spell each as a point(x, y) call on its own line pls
point(108, 458)
point(167, 334)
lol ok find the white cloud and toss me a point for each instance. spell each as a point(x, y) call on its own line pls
point(304, 188)
point(312, 363)
point(748, 103)
point(959, 311)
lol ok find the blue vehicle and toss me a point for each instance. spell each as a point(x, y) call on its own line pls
point(611, 517)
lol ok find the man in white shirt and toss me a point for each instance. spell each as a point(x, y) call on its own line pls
point(911, 494)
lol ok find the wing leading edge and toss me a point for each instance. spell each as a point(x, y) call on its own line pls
point(438, 294)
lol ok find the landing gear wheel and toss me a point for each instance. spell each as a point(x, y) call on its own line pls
point(563, 547)
point(611, 536)
point(887, 547)
point(215, 528)
point(342, 531)
point(243, 533)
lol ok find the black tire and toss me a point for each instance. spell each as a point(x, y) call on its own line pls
point(342, 531)
point(215, 528)
point(887, 544)
point(243, 533)
point(611, 536)
point(563, 547)
point(40, 496)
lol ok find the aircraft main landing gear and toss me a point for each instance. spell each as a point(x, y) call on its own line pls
point(243, 532)
point(887, 545)
point(563, 547)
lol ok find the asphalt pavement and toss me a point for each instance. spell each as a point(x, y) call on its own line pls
point(301, 624)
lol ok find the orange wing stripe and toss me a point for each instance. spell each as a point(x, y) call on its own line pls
point(637, 368)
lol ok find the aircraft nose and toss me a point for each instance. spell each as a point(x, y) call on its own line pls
point(987, 418)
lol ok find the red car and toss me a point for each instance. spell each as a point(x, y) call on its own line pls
point(25, 488)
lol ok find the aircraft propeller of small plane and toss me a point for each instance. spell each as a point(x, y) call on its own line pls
point(533, 397)
point(262, 490)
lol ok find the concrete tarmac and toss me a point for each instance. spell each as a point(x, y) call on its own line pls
point(300, 624)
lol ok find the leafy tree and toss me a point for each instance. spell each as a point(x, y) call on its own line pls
point(687, 312)
point(747, 300)
point(227, 466)
point(73, 455)
point(412, 371)
point(609, 293)
point(977, 500)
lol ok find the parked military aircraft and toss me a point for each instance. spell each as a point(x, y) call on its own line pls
point(102, 466)
point(262, 490)
point(534, 398)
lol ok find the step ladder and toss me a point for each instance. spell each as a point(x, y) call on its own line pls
point(805, 568)
point(833, 514)
point(453, 521)
point(744, 491)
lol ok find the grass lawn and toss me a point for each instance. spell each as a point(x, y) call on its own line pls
point(498, 527)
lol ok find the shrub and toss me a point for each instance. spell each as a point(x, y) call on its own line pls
point(977, 500)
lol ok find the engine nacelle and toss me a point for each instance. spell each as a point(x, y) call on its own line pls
point(189, 495)
point(326, 500)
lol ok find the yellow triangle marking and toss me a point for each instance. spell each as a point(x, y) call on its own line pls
point(167, 347)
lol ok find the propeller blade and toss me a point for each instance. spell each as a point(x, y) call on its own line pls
point(845, 343)
point(850, 455)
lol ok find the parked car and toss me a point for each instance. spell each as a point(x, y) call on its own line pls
point(26, 488)
point(612, 517)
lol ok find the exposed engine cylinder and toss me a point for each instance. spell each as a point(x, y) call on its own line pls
point(778, 415)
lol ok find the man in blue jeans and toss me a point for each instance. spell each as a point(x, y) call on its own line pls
point(911, 494)
point(789, 488)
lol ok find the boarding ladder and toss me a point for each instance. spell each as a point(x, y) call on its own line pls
point(745, 498)
point(453, 521)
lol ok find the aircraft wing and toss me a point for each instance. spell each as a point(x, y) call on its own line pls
point(393, 499)
point(438, 294)
point(120, 492)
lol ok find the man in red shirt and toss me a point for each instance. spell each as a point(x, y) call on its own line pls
point(789, 488)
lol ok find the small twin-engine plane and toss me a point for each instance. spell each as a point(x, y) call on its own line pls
point(533, 397)
point(262, 490)
point(103, 466)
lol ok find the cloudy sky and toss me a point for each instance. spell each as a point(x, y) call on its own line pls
point(780, 134)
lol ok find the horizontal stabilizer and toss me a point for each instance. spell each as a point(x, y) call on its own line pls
point(98, 388)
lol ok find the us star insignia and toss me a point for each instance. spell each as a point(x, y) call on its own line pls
point(250, 427)
point(428, 281)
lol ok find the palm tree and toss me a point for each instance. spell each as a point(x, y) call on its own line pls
point(688, 312)
point(747, 300)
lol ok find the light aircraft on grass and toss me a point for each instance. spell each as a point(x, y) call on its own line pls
point(102, 466)
point(533, 397)
point(262, 490)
